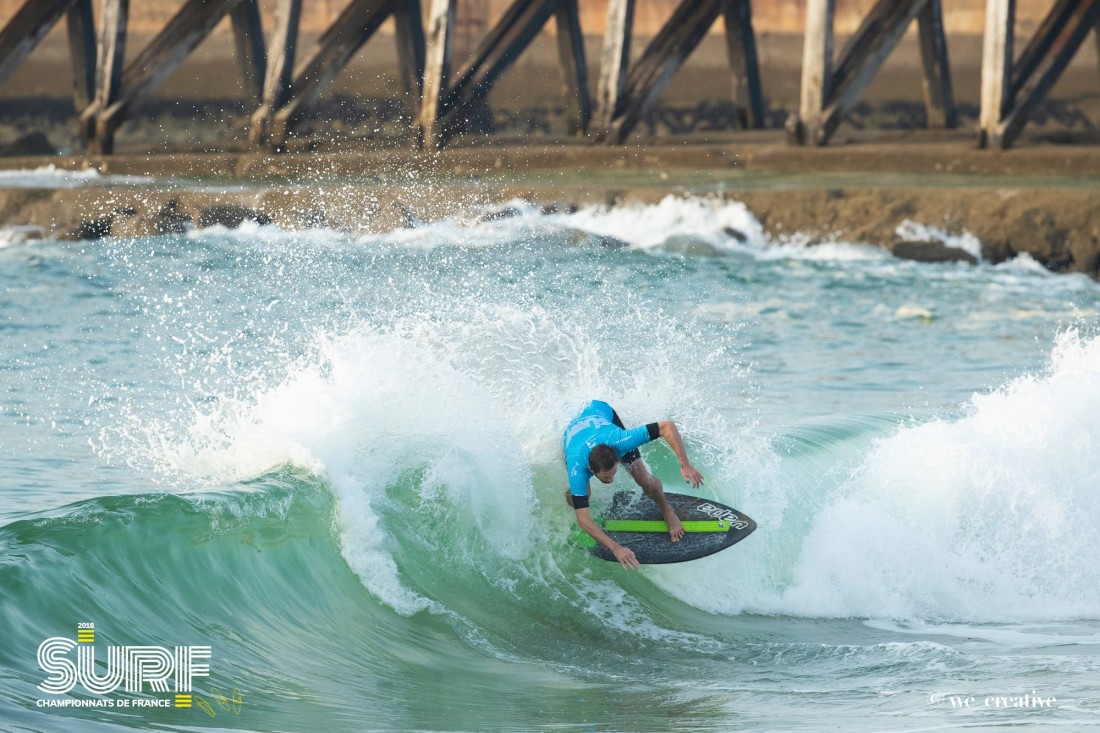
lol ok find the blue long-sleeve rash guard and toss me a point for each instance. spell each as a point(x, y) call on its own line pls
point(595, 426)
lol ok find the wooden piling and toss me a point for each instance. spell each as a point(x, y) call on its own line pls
point(110, 52)
point(817, 71)
point(748, 94)
point(614, 63)
point(437, 69)
point(828, 94)
point(409, 34)
point(939, 96)
point(347, 34)
point(1011, 91)
point(248, 38)
point(661, 59)
point(187, 28)
point(279, 69)
point(574, 68)
point(80, 25)
point(1000, 24)
point(494, 55)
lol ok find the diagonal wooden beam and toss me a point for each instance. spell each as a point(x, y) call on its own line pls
point(494, 55)
point(661, 59)
point(354, 27)
point(156, 62)
point(861, 59)
point(25, 29)
point(517, 27)
point(1059, 48)
point(1053, 25)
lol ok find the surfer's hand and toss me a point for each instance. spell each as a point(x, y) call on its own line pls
point(626, 558)
point(675, 528)
point(692, 476)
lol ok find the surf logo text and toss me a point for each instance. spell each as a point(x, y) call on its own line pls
point(722, 513)
point(129, 667)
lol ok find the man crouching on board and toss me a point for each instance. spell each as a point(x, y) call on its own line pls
point(595, 443)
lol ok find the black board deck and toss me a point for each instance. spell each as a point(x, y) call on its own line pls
point(655, 548)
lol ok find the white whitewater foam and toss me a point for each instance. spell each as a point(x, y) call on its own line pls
point(988, 518)
point(646, 226)
point(50, 176)
point(911, 231)
point(365, 410)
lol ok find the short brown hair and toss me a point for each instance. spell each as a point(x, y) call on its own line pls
point(602, 458)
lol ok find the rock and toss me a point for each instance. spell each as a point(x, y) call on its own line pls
point(34, 143)
point(931, 251)
point(583, 238)
point(99, 227)
point(231, 216)
point(505, 212)
point(550, 209)
point(408, 218)
point(737, 234)
point(170, 220)
point(92, 229)
point(689, 245)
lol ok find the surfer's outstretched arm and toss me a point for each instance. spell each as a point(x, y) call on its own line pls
point(671, 434)
point(623, 554)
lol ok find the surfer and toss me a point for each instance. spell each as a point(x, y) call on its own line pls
point(595, 443)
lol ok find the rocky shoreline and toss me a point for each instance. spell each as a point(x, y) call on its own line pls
point(1054, 219)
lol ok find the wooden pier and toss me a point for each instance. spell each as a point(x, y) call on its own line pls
point(445, 93)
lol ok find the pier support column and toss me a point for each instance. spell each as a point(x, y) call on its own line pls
point(110, 51)
point(748, 94)
point(666, 54)
point(458, 102)
point(82, 53)
point(614, 64)
point(355, 26)
point(437, 69)
point(829, 92)
point(187, 28)
point(279, 69)
point(939, 96)
point(626, 95)
point(1012, 90)
point(248, 38)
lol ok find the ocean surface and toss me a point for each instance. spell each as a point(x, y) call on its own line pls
point(329, 465)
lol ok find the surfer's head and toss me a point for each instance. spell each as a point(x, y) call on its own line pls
point(603, 461)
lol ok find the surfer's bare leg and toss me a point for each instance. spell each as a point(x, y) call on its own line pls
point(652, 487)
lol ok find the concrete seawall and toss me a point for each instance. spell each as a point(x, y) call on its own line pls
point(858, 194)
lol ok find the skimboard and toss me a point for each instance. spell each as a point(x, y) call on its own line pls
point(635, 521)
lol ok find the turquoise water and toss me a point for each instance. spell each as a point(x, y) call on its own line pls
point(334, 459)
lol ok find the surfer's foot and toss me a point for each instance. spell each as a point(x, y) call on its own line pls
point(675, 528)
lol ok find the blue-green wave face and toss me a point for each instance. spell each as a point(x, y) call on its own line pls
point(335, 460)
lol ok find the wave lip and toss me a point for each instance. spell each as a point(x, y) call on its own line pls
point(987, 518)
